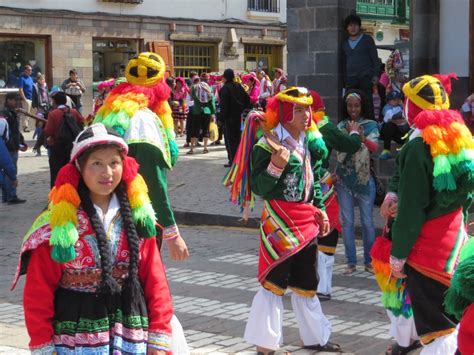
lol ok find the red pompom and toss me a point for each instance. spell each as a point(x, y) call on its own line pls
point(68, 174)
point(318, 103)
point(130, 169)
point(442, 118)
point(446, 80)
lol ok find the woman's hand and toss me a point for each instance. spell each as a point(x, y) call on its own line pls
point(177, 249)
point(152, 351)
point(353, 126)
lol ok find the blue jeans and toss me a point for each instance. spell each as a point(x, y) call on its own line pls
point(8, 190)
point(346, 214)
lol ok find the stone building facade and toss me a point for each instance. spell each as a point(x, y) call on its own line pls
point(98, 44)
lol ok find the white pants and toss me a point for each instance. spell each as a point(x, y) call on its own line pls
point(443, 345)
point(403, 330)
point(265, 323)
point(178, 341)
point(325, 265)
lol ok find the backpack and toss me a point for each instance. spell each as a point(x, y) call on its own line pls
point(68, 131)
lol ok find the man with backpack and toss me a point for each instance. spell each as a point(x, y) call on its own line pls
point(62, 127)
point(13, 140)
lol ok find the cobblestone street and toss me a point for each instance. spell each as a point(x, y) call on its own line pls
point(213, 290)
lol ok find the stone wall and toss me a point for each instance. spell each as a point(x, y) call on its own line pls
point(314, 35)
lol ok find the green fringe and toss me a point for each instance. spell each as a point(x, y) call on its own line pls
point(455, 304)
point(120, 121)
point(143, 213)
point(146, 228)
point(441, 165)
point(63, 255)
point(467, 250)
point(444, 182)
point(317, 144)
point(64, 236)
point(174, 151)
point(391, 300)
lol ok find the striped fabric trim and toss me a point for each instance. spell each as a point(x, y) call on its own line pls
point(453, 258)
point(276, 234)
point(428, 338)
point(303, 293)
point(170, 232)
point(270, 286)
point(159, 341)
point(327, 250)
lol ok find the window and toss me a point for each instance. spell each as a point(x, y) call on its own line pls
point(110, 56)
point(15, 53)
point(262, 57)
point(198, 57)
point(263, 5)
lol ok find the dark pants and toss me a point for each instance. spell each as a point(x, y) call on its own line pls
point(232, 138)
point(200, 126)
point(365, 85)
point(8, 190)
point(188, 125)
point(427, 296)
point(57, 159)
point(392, 132)
point(298, 271)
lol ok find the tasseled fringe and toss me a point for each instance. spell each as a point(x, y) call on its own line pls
point(238, 177)
point(451, 146)
point(142, 211)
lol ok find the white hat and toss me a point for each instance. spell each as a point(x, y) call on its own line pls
point(96, 134)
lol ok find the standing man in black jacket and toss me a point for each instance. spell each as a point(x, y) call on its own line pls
point(361, 64)
point(14, 142)
point(233, 101)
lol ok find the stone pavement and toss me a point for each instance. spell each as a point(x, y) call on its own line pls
point(212, 291)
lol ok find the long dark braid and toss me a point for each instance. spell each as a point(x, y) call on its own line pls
point(108, 284)
point(132, 237)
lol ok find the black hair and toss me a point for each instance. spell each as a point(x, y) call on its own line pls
point(12, 96)
point(72, 71)
point(363, 104)
point(59, 98)
point(109, 285)
point(352, 18)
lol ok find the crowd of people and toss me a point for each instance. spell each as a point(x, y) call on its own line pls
point(95, 282)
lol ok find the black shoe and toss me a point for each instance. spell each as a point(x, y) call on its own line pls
point(228, 165)
point(16, 201)
point(329, 347)
point(323, 297)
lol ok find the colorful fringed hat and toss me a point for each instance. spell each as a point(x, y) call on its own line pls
point(450, 141)
point(64, 198)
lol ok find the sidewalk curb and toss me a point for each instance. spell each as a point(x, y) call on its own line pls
point(191, 218)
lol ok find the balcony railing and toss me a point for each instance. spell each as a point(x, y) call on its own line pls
point(264, 5)
point(395, 10)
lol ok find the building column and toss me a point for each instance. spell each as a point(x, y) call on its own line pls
point(315, 31)
point(425, 31)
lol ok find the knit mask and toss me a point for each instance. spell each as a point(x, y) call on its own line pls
point(146, 69)
point(64, 199)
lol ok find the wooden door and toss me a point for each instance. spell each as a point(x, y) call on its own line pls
point(163, 49)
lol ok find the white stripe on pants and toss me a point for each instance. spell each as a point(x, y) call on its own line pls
point(325, 265)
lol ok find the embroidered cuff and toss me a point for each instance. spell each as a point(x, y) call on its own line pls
point(43, 349)
point(159, 341)
point(274, 170)
point(354, 132)
point(397, 264)
point(171, 232)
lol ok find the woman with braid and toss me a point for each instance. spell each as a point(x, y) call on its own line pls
point(95, 283)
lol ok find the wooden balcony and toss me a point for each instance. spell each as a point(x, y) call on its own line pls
point(394, 11)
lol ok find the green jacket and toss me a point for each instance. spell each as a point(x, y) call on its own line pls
point(418, 201)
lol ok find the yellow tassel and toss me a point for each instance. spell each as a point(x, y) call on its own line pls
point(138, 192)
point(62, 213)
